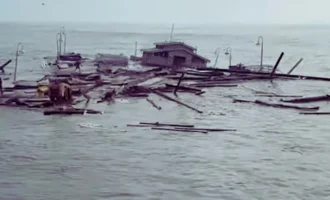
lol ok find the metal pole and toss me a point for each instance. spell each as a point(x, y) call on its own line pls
point(64, 36)
point(217, 51)
point(172, 33)
point(135, 49)
point(230, 59)
point(262, 53)
point(19, 48)
point(64, 50)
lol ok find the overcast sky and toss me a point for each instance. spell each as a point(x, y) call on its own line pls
point(168, 11)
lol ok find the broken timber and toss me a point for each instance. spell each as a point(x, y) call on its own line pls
point(275, 105)
point(154, 105)
point(308, 99)
point(268, 74)
point(174, 100)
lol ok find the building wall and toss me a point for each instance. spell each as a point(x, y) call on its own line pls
point(177, 46)
point(191, 61)
point(151, 59)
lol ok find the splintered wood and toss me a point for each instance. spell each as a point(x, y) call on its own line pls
point(178, 127)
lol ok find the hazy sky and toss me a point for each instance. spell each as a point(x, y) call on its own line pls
point(168, 11)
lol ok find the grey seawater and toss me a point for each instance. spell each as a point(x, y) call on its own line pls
point(275, 153)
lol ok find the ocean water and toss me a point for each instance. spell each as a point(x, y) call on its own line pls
point(274, 154)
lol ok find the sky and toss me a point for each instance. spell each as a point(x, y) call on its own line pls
point(168, 11)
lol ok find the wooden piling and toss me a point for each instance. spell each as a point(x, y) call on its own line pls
point(276, 65)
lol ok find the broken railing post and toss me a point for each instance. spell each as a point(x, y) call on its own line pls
point(276, 65)
point(177, 86)
point(295, 66)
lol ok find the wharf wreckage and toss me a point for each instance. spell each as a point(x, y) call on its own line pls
point(173, 67)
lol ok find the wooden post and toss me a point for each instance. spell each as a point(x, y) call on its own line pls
point(177, 86)
point(295, 66)
point(135, 49)
point(276, 65)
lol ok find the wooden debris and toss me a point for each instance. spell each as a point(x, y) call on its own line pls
point(275, 105)
point(2, 67)
point(276, 65)
point(70, 112)
point(174, 100)
point(154, 105)
point(278, 95)
point(206, 129)
point(180, 130)
point(295, 66)
point(200, 93)
point(162, 124)
point(268, 74)
point(315, 113)
point(308, 99)
point(178, 85)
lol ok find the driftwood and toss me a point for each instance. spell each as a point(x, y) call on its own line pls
point(162, 124)
point(315, 113)
point(183, 87)
point(206, 129)
point(174, 100)
point(275, 105)
point(2, 67)
point(268, 74)
point(181, 130)
point(295, 66)
point(214, 85)
point(276, 65)
point(200, 93)
point(277, 95)
point(70, 112)
point(154, 105)
point(308, 99)
point(178, 85)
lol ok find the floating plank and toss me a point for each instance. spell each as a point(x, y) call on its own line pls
point(70, 112)
point(174, 100)
point(180, 130)
point(308, 99)
point(206, 129)
point(162, 124)
point(315, 113)
point(154, 105)
point(275, 105)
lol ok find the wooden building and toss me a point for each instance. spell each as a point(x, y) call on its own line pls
point(173, 54)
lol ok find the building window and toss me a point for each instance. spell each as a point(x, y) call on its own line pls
point(161, 54)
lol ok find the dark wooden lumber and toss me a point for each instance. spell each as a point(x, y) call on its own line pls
point(174, 100)
point(214, 85)
point(70, 112)
point(183, 87)
point(268, 74)
point(276, 65)
point(163, 124)
point(275, 105)
point(154, 105)
point(178, 85)
point(308, 99)
point(180, 130)
point(295, 66)
point(278, 95)
point(206, 129)
point(314, 113)
point(2, 67)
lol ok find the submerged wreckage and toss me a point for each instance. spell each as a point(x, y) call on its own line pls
point(176, 68)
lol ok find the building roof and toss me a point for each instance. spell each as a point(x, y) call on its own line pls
point(155, 50)
point(174, 43)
